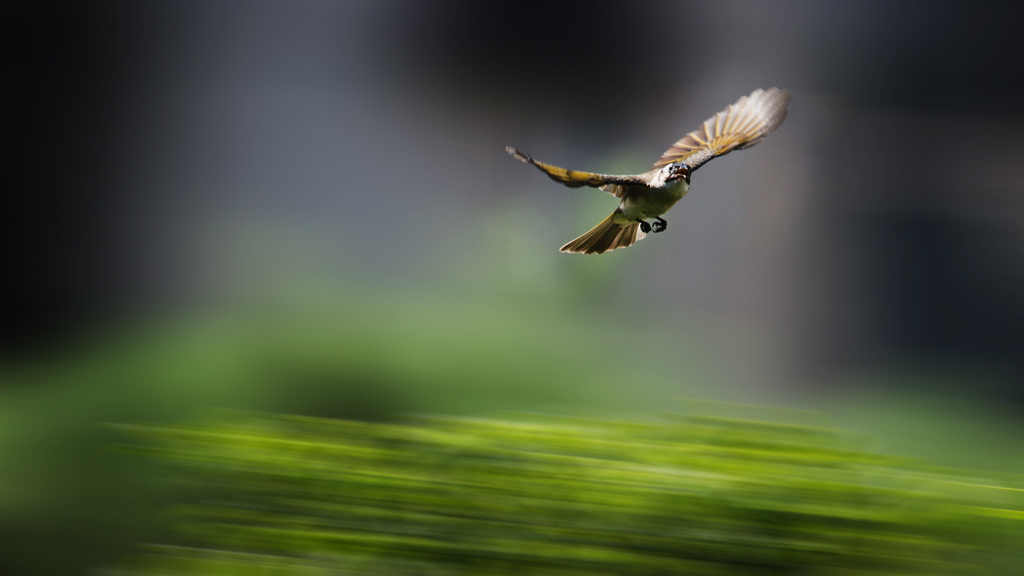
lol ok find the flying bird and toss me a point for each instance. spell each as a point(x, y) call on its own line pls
point(651, 194)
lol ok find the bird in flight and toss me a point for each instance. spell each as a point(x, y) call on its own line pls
point(651, 194)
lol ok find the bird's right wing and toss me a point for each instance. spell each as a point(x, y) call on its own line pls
point(739, 126)
point(575, 179)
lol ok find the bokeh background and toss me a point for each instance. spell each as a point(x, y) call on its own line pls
point(306, 208)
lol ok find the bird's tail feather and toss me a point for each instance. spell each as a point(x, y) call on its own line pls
point(608, 235)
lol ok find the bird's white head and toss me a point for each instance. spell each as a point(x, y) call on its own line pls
point(676, 171)
point(671, 174)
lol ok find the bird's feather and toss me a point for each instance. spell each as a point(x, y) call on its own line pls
point(739, 126)
point(608, 235)
point(577, 179)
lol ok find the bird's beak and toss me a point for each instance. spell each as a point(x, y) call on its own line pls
point(683, 171)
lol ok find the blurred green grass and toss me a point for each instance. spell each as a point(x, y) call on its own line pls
point(372, 355)
point(555, 495)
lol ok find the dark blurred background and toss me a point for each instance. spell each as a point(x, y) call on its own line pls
point(306, 207)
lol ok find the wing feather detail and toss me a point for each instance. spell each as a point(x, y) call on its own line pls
point(576, 179)
point(739, 126)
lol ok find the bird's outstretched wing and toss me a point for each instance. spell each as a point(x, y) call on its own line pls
point(739, 126)
point(576, 179)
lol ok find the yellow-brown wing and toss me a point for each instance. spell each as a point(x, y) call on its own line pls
point(577, 179)
point(739, 126)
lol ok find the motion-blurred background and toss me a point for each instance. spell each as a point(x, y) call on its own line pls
point(306, 207)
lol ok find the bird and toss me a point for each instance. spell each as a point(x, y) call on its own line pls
point(651, 194)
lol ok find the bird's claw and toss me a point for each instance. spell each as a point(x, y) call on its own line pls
point(659, 225)
point(644, 226)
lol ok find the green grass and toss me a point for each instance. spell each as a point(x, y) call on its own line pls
point(374, 355)
point(556, 495)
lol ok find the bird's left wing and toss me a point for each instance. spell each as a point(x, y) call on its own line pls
point(576, 179)
point(739, 126)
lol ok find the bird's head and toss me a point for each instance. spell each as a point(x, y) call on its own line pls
point(676, 171)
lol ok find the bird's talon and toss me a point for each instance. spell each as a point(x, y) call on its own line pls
point(644, 226)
